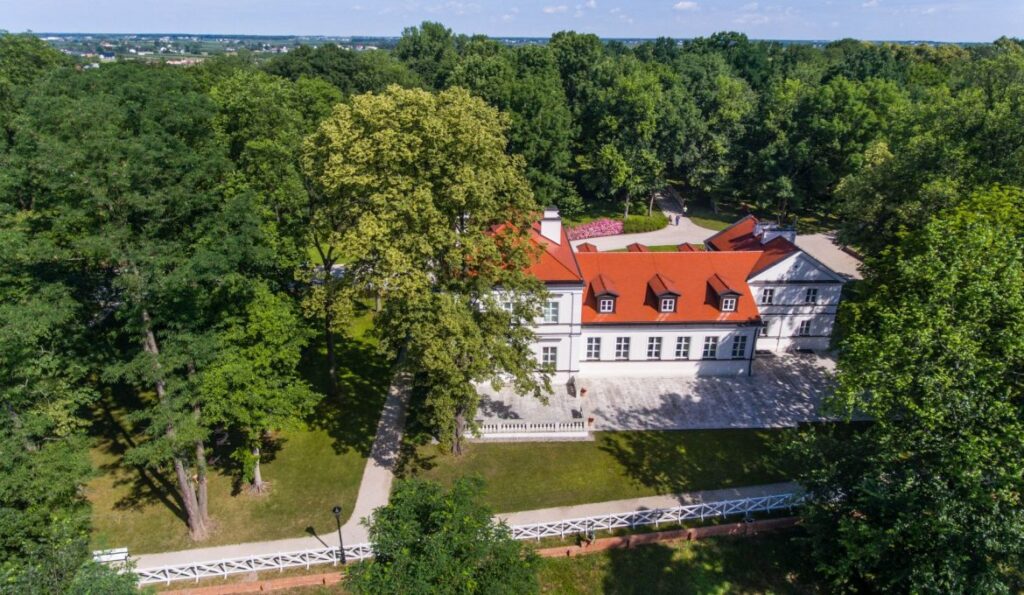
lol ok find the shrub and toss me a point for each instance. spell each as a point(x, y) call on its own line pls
point(642, 223)
point(595, 229)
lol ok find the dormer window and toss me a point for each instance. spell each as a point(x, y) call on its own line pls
point(728, 304)
point(668, 304)
point(726, 295)
point(604, 294)
point(606, 305)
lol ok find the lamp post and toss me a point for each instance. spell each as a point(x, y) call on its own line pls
point(341, 544)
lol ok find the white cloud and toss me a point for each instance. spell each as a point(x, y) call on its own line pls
point(749, 6)
point(685, 5)
point(590, 4)
point(555, 9)
point(871, 3)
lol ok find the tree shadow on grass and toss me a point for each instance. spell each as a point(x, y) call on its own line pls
point(364, 374)
point(672, 462)
point(770, 563)
point(114, 437)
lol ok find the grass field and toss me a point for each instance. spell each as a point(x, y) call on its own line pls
point(616, 465)
point(662, 248)
point(763, 564)
point(310, 469)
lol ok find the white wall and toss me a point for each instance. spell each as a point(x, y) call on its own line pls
point(667, 365)
point(564, 334)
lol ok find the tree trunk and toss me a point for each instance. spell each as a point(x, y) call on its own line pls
point(195, 513)
point(460, 430)
point(650, 206)
point(332, 362)
point(626, 215)
point(258, 485)
point(196, 525)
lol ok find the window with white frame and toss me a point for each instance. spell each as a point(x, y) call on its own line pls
point(728, 304)
point(593, 348)
point(739, 347)
point(767, 296)
point(668, 304)
point(764, 329)
point(811, 295)
point(653, 347)
point(506, 303)
point(683, 348)
point(710, 348)
point(549, 356)
point(621, 348)
point(804, 329)
point(606, 305)
point(551, 311)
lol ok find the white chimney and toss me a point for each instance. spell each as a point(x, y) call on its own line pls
point(551, 225)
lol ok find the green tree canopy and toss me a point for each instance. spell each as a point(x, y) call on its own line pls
point(431, 540)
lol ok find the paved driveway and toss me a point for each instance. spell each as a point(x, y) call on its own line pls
point(782, 392)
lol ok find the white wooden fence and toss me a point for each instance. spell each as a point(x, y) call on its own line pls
point(585, 525)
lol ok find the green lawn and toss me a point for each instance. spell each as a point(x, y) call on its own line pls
point(310, 469)
point(616, 465)
point(763, 564)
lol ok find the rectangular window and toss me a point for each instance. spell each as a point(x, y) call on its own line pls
point(606, 305)
point(764, 330)
point(739, 347)
point(551, 311)
point(811, 295)
point(728, 304)
point(805, 328)
point(683, 348)
point(767, 296)
point(710, 348)
point(549, 356)
point(668, 304)
point(653, 347)
point(593, 348)
point(622, 348)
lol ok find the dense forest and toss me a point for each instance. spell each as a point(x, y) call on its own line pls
point(173, 233)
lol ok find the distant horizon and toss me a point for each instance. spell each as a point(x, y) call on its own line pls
point(329, 36)
point(936, 21)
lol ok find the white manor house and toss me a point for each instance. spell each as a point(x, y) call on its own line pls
point(689, 312)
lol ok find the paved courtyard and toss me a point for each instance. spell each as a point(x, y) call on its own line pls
point(783, 391)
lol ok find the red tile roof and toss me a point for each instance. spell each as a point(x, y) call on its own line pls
point(720, 287)
point(557, 262)
point(586, 247)
point(687, 247)
point(740, 237)
point(631, 273)
point(600, 285)
point(636, 247)
point(661, 285)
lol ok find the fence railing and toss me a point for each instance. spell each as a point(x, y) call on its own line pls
point(584, 525)
point(492, 427)
point(657, 516)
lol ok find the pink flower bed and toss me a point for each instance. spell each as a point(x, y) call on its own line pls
point(595, 229)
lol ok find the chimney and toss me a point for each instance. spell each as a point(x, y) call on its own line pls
point(551, 225)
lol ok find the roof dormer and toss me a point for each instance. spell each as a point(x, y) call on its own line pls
point(665, 294)
point(726, 296)
point(604, 294)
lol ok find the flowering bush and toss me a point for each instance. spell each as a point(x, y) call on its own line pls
point(595, 229)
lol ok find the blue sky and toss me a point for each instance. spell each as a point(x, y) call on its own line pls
point(963, 20)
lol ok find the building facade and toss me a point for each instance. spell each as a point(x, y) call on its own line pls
point(689, 312)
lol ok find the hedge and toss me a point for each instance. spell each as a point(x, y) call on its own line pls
point(642, 223)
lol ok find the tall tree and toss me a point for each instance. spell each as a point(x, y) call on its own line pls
point(414, 185)
point(927, 497)
point(252, 384)
point(431, 540)
point(429, 51)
